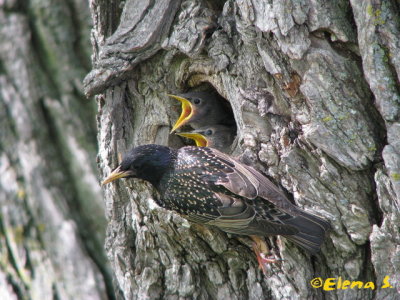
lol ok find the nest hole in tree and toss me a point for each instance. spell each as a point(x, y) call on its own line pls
point(219, 128)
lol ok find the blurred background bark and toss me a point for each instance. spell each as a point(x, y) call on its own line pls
point(52, 221)
point(314, 86)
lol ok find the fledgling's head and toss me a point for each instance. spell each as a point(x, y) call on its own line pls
point(219, 137)
point(197, 106)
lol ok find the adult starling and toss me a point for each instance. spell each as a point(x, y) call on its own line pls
point(215, 136)
point(209, 187)
point(201, 109)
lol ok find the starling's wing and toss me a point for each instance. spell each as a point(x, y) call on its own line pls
point(231, 191)
point(243, 180)
point(238, 179)
point(237, 216)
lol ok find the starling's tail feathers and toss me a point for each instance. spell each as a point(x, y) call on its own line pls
point(312, 231)
point(310, 243)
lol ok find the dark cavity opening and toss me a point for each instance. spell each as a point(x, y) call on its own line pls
point(210, 119)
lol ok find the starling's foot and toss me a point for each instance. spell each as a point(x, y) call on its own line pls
point(261, 250)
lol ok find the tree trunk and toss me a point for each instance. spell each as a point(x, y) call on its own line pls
point(52, 221)
point(314, 90)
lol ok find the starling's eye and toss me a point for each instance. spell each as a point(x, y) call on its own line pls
point(208, 132)
point(196, 100)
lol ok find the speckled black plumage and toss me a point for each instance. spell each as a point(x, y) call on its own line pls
point(210, 187)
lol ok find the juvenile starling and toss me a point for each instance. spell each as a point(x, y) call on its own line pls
point(209, 187)
point(219, 137)
point(201, 109)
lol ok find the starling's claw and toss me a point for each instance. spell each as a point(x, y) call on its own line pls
point(264, 261)
point(261, 250)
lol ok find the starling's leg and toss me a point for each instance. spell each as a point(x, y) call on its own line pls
point(262, 251)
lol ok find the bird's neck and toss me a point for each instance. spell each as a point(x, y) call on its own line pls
point(158, 166)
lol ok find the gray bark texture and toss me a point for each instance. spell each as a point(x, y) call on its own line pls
point(52, 221)
point(314, 87)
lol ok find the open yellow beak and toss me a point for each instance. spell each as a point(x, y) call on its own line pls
point(200, 139)
point(187, 112)
point(116, 174)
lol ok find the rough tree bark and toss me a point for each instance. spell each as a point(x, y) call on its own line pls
point(52, 221)
point(314, 90)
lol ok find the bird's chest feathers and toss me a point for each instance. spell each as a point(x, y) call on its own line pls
point(187, 194)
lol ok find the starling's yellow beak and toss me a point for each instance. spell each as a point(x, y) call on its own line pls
point(116, 174)
point(187, 112)
point(200, 139)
